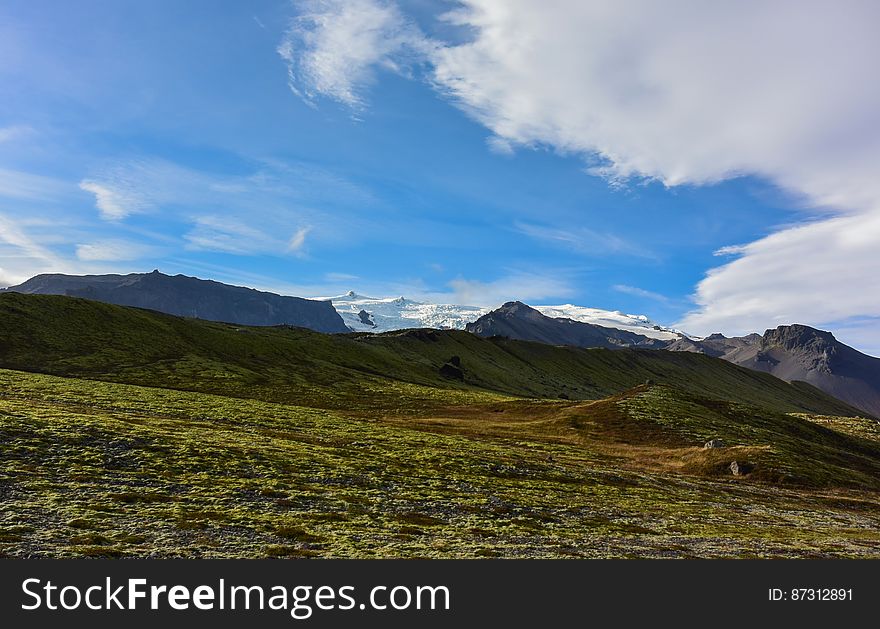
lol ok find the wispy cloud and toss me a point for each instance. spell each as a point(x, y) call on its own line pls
point(340, 277)
point(22, 253)
point(298, 241)
point(729, 250)
point(640, 292)
point(583, 240)
point(228, 235)
point(113, 202)
point(241, 214)
point(114, 250)
point(333, 46)
point(16, 184)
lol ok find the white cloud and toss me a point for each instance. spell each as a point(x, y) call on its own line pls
point(298, 241)
point(695, 92)
point(113, 250)
point(332, 47)
point(114, 203)
point(817, 273)
point(23, 256)
point(687, 92)
point(640, 292)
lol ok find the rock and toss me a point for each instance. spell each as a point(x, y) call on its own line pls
point(366, 318)
point(714, 443)
point(448, 370)
point(455, 360)
point(740, 468)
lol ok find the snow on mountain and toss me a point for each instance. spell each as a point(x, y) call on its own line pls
point(640, 324)
point(370, 314)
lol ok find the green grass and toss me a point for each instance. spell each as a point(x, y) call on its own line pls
point(160, 436)
point(104, 469)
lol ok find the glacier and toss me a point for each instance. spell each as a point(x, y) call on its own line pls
point(384, 314)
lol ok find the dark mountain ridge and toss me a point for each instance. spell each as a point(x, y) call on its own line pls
point(185, 296)
point(516, 320)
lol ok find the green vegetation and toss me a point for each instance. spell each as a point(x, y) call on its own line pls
point(393, 371)
point(284, 443)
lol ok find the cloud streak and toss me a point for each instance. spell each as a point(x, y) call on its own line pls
point(583, 240)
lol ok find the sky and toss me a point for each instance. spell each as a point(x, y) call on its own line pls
point(711, 165)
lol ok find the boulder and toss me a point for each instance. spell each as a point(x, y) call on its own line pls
point(448, 370)
point(714, 443)
point(740, 468)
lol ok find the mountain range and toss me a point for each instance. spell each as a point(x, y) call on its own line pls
point(792, 353)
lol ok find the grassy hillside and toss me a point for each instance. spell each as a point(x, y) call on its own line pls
point(75, 337)
point(101, 469)
point(160, 436)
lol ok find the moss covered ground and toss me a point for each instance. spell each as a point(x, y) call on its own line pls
point(104, 469)
point(128, 433)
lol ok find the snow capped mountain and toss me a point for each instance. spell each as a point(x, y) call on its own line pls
point(370, 314)
point(640, 324)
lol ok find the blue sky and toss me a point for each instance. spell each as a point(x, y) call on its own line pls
point(392, 148)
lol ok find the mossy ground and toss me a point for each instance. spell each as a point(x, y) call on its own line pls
point(102, 469)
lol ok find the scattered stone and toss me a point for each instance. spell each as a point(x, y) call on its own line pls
point(714, 443)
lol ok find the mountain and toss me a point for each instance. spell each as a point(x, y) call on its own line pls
point(371, 314)
point(799, 352)
point(400, 370)
point(639, 324)
point(516, 320)
point(190, 297)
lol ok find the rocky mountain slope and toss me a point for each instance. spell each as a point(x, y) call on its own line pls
point(799, 352)
point(516, 320)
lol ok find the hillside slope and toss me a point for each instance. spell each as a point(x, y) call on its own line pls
point(83, 338)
